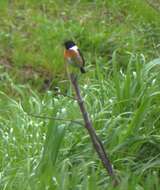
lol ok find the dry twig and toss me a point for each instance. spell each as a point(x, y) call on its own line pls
point(94, 138)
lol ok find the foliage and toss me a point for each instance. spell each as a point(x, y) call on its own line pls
point(120, 89)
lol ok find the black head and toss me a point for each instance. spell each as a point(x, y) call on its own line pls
point(68, 44)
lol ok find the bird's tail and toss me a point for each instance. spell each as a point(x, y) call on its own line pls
point(82, 70)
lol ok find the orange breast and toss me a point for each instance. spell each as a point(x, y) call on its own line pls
point(69, 53)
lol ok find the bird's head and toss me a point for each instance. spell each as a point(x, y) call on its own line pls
point(69, 44)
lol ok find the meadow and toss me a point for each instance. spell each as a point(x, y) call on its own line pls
point(43, 143)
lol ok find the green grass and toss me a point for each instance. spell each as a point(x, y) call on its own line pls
point(120, 40)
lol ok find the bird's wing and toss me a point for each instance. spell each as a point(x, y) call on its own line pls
point(74, 57)
point(82, 58)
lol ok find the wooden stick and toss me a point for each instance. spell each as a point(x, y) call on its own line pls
point(88, 125)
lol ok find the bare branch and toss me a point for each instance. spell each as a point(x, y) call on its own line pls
point(94, 138)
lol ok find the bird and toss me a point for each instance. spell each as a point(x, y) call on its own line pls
point(73, 57)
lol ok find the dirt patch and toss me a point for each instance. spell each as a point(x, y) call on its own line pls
point(39, 77)
point(6, 63)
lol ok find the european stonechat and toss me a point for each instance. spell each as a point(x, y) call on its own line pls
point(73, 56)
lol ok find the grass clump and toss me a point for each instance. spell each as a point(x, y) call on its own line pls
point(120, 41)
point(45, 153)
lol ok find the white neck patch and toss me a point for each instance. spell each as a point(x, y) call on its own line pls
point(75, 48)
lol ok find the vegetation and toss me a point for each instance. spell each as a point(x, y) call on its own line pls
point(120, 40)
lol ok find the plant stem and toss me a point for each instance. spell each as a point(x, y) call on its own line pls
point(88, 125)
point(54, 118)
